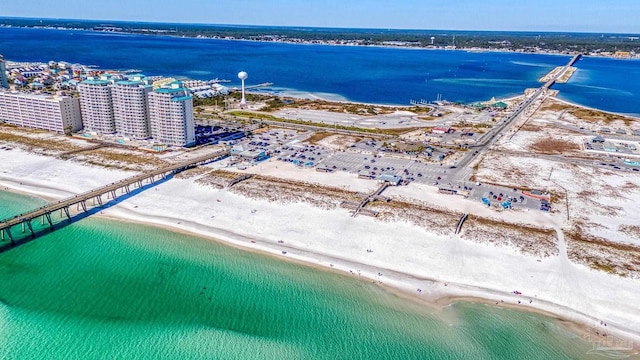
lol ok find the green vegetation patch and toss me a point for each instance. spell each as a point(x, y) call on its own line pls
point(259, 116)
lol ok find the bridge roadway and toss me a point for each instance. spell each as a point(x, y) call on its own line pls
point(574, 59)
point(80, 199)
point(492, 136)
point(552, 81)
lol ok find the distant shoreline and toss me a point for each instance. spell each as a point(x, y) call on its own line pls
point(326, 42)
point(328, 96)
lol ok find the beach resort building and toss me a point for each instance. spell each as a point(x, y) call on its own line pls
point(47, 112)
point(131, 109)
point(171, 115)
point(440, 130)
point(390, 178)
point(96, 106)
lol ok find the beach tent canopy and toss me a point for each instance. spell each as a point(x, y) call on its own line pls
point(499, 104)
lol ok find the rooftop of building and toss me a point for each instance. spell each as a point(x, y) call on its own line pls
point(35, 96)
point(182, 98)
point(169, 90)
point(95, 82)
point(132, 83)
point(388, 177)
point(172, 88)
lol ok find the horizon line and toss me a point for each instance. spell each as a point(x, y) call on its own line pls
point(322, 27)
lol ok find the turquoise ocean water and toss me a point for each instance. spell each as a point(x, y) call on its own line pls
point(100, 289)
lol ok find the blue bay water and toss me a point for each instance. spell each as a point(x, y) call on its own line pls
point(99, 289)
point(363, 74)
point(604, 83)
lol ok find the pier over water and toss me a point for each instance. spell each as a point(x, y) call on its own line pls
point(80, 200)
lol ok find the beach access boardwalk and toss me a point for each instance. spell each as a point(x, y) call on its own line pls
point(110, 190)
point(239, 179)
point(460, 222)
point(377, 195)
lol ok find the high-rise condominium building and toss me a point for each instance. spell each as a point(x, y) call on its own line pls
point(171, 115)
point(3, 74)
point(131, 108)
point(96, 106)
point(47, 112)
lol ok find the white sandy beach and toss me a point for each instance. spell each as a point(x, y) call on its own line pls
point(408, 257)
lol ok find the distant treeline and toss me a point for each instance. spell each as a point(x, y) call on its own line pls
point(523, 41)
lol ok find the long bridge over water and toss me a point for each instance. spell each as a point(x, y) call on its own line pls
point(565, 68)
point(508, 120)
point(111, 191)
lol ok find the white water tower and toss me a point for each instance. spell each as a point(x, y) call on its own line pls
point(432, 38)
point(242, 75)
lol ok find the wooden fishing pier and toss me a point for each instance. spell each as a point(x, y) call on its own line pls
point(123, 186)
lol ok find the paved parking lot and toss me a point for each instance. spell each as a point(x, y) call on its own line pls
point(412, 170)
point(301, 154)
point(367, 146)
point(273, 140)
point(497, 195)
point(614, 147)
point(289, 146)
point(462, 136)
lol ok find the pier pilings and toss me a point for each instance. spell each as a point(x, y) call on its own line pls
point(95, 195)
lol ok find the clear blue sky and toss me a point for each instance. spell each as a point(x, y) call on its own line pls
point(539, 15)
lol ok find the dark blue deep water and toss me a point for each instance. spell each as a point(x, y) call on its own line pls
point(373, 75)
